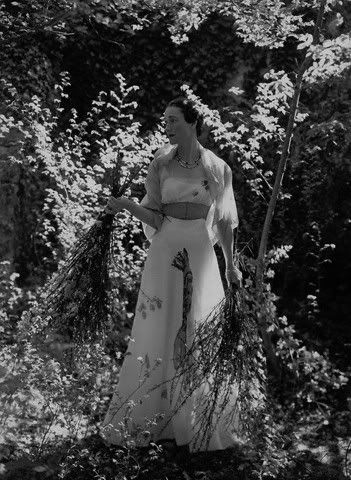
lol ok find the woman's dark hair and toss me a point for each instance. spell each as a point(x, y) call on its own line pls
point(191, 114)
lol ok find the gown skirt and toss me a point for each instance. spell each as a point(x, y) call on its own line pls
point(142, 407)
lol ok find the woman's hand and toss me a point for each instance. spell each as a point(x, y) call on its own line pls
point(233, 275)
point(115, 205)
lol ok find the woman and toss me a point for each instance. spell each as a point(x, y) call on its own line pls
point(189, 205)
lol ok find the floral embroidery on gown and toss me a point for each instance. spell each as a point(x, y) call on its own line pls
point(180, 286)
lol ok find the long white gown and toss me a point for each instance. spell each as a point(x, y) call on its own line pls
point(142, 406)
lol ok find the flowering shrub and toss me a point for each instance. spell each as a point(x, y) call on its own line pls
point(43, 402)
point(49, 379)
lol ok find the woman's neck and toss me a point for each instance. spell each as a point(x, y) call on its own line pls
point(189, 150)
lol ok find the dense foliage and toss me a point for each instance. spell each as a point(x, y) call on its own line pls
point(83, 82)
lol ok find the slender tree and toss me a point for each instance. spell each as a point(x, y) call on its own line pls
point(306, 62)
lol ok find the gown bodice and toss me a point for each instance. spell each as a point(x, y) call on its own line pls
point(166, 182)
point(177, 189)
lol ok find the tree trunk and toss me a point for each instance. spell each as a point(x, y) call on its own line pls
point(268, 345)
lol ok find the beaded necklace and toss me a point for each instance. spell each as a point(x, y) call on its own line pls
point(186, 164)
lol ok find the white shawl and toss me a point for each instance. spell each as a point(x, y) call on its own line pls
point(219, 176)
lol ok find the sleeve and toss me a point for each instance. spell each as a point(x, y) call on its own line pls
point(152, 199)
point(223, 209)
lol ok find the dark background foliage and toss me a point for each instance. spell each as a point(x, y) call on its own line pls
point(94, 41)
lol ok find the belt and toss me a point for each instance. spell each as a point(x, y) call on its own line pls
point(185, 210)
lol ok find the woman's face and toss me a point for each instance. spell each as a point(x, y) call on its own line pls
point(177, 129)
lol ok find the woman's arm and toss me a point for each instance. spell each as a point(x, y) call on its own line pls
point(225, 225)
point(145, 215)
point(226, 240)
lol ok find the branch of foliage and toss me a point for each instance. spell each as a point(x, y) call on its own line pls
point(264, 23)
point(249, 134)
